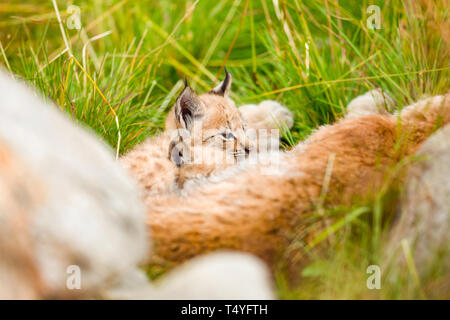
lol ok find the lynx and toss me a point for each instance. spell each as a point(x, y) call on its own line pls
point(208, 127)
point(261, 214)
point(210, 119)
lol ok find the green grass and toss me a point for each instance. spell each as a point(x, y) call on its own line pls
point(312, 56)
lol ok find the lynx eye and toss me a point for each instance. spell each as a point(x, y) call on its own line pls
point(227, 135)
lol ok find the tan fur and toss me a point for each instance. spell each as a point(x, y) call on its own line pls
point(198, 125)
point(262, 213)
point(220, 114)
point(150, 164)
point(266, 120)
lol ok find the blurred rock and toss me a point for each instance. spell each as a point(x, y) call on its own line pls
point(88, 212)
point(425, 210)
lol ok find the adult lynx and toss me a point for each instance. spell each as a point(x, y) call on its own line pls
point(261, 213)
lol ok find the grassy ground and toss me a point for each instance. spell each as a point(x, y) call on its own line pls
point(312, 56)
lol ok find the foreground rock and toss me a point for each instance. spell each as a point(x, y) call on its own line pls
point(423, 226)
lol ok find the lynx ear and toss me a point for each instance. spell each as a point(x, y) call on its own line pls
point(188, 108)
point(176, 153)
point(179, 151)
point(223, 89)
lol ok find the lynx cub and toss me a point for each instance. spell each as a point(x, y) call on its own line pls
point(208, 128)
point(210, 119)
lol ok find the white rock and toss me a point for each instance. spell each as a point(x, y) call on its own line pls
point(90, 214)
point(425, 209)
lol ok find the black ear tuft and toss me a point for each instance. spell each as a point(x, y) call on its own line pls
point(223, 88)
point(227, 81)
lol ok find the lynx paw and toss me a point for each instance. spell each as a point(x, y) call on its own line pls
point(373, 102)
point(219, 276)
point(268, 114)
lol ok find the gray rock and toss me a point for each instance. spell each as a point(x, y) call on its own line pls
point(425, 209)
point(90, 214)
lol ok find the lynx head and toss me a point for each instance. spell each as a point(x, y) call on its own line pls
point(209, 120)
